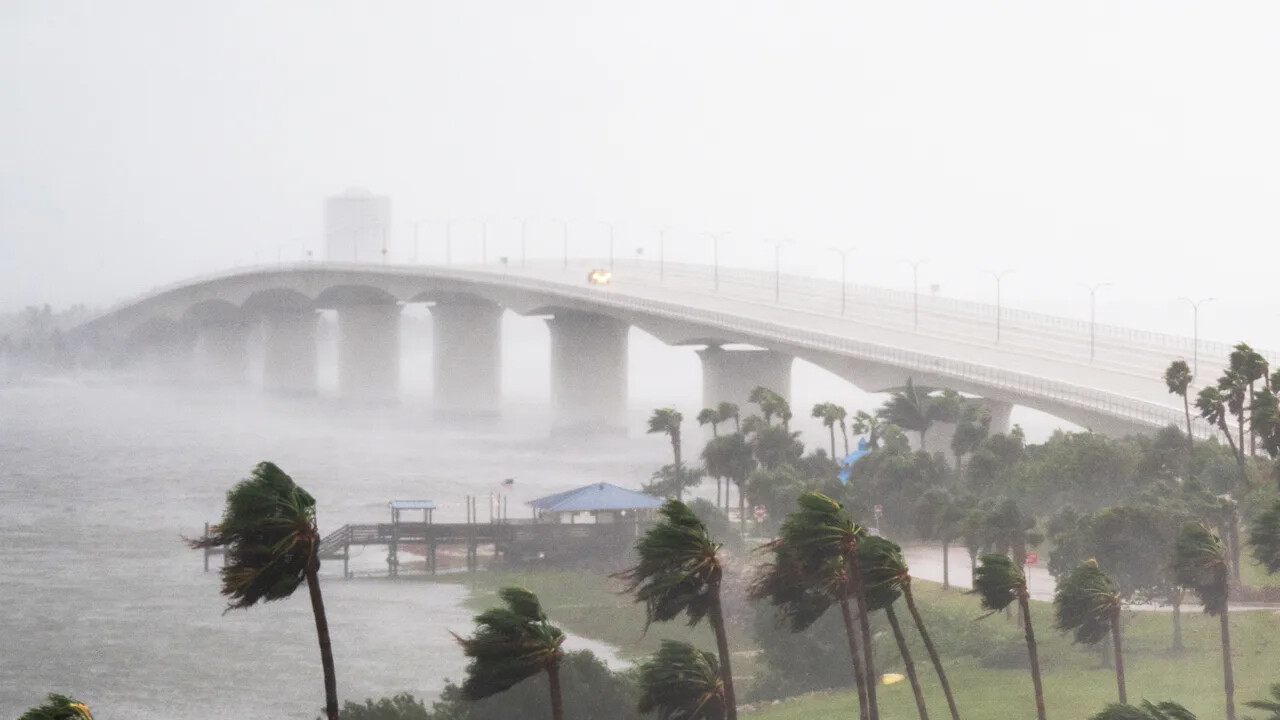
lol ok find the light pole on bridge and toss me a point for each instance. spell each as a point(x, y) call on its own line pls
point(777, 267)
point(1195, 329)
point(564, 236)
point(844, 273)
point(524, 241)
point(611, 239)
point(484, 242)
point(662, 252)
point(415, 241)
point(999, 277)
point(448, 241)
point(915, 293)
point(1093, 317)
point(715, 255)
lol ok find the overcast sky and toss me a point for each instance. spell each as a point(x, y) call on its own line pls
point(1131, 142)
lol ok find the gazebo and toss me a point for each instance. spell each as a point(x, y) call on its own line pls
point(602, 502)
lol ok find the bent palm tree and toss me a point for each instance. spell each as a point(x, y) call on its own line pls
point(682, 682)
point(268, 530)
point(909, 409)
point(667, 421)
point(1264, 538)
point(830, 414)
point(58, 707)
point(729, 411)
point(1177, 377)
point(885, 569)
point(1272, 706)
point(1148, 711)
point(881, 563)
point(1088, 604)
point(815, 563)
point(708, 416)
point(1200, 565)
point(999, 582)
point(679, 572)
point(510, 644)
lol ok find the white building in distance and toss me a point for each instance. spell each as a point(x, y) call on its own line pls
point(357, 225)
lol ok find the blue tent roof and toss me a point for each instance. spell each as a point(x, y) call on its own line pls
point(846, 465)
point(595, 497)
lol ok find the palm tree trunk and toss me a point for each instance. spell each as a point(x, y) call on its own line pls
point(946, 565)
point(722, 646)
point(1228, 679)
point(742, 511)
point(906, 662)
point(1191, 440)
point(1115, 644)
point(832, 428)
point(844, 433)
point(717, 492)
point(859, 673)
point(557, 702)
point(675, 450)
point(1177, 619)
point(929, 648)
point(922, 445)
point(326, 649)
point(1234, 529)
point(864, 624)
point(1025, 607)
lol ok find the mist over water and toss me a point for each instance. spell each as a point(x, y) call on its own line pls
point(101, 598)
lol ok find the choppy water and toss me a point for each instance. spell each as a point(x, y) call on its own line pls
point(99, 598)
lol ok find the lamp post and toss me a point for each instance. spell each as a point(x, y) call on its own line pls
point(564, 234)
point(662, 253)
point(844, 273)
point(1093, 317)
point(777, 267)
point(1195, 329)
point(915, 293)
point(611, 237)
point(999, 276)
point(715, 256)
point(448, 241)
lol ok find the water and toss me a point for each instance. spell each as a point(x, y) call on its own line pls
point(100, 599)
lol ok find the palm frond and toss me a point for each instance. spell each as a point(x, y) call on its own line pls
point(1272, 706)
point(884, 571)
point(1264, 538)
point(681, 682)
point(1147, 711)
point(510, 644)
point(58, 707)
point(678, 569)
point(269, 533)
point(1200, 565)
point(1086, 603)
point(997, 581)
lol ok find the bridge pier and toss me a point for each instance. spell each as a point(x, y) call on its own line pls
point(731, 375)
point(289, 352)
point(222, 356)
point(369, 352)
point(588, 373)
point(467, 358)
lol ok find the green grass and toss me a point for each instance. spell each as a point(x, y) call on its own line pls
point(1252, 574)
point(1076, 685)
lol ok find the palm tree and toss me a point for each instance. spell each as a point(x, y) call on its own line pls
point(909, 410)
point(886, 579)
point(1200, 565)
point(268, 529)
point(771, 404)
point(973, 426)
point(708, 416)
point(730, 456)
point(873, 427)
point(1149, 711)
point(729, 411)
point(58, 707)
point(512, 643)
point(667, 421)
point(1252, 367)
point(1087, 603)
point(679, 572)
point(998, 582)
point(939, 516)
point(1272, 706)
point(830, 414)
point(1264, 538)
point(1178, 379)
point(816, 561)
point(682, 682)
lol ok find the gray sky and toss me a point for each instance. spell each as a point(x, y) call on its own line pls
point(1126, 141)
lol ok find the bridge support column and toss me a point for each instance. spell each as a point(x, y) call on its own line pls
point(289, 352)
point(467, 357)
point(369, 352)
point(731, 375)
point(222, 353)
point(588, 373)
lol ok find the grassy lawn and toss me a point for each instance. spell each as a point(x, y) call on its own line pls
point(1076, 685)
point(1254, 575)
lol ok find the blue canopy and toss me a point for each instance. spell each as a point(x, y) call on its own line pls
point(595, 498)
point(846, 465)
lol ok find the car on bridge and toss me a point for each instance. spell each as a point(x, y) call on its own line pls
point(599, 277)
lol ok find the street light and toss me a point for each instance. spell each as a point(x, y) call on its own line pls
point(715, 255)
point(999, 276)
point(1093, 321)
point(564, 224)
point(915, 292)
point(844, 272)
point(1195, 324)
point(777, 266)
point(662, 252)
point(611, 235)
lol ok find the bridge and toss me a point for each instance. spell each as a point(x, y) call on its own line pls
point(1102, 377)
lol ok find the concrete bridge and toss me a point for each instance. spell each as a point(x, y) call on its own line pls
point(872, 337)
